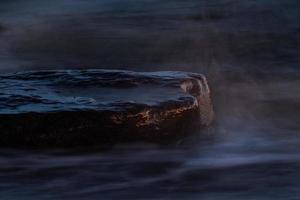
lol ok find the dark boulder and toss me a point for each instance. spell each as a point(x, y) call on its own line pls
point(91, 107)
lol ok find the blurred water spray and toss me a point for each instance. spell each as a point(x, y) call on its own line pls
point(249, 50)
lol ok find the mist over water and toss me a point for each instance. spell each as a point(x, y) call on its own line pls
point(249, 51)
point(150, 35)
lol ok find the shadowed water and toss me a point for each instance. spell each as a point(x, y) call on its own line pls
point(248, 49)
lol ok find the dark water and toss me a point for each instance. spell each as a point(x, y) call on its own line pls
point(248, 49)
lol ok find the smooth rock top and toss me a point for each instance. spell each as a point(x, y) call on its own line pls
point(80, 107)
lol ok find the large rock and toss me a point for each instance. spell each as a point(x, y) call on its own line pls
point(90, 107)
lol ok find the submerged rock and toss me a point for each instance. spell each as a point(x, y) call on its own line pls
point(90, 107)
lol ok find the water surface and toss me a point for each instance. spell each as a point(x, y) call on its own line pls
point(248, 49)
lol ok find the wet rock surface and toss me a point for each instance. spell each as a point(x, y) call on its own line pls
point(90, 107)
